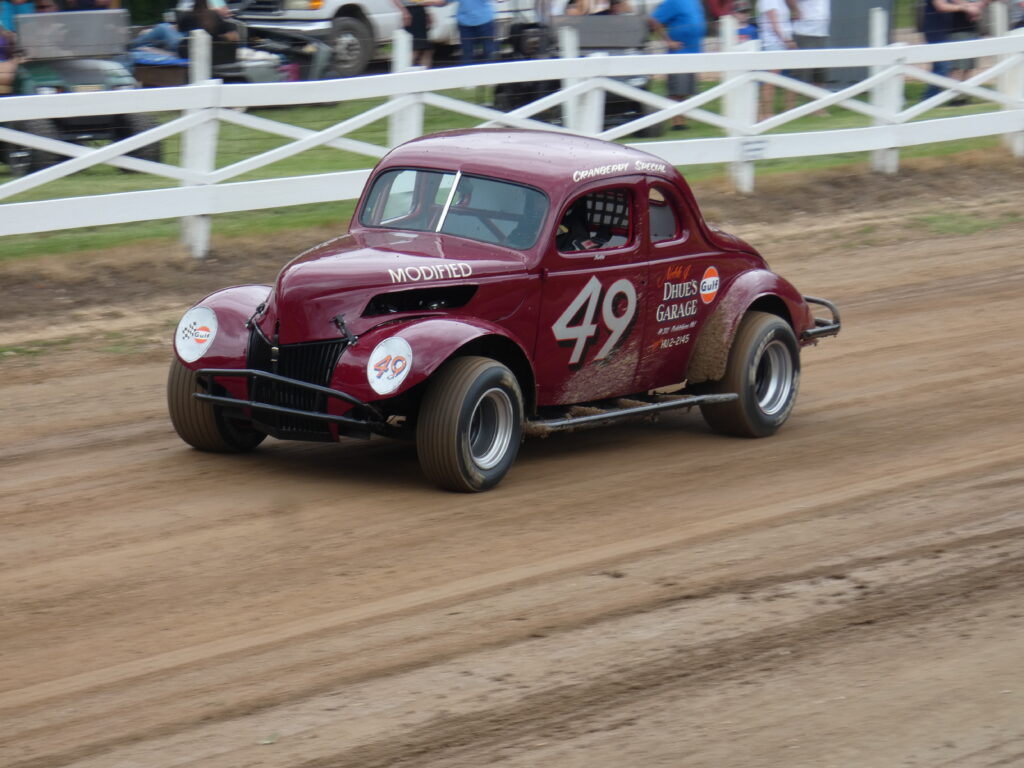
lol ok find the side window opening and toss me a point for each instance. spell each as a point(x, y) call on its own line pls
point(662, 217)
point(599, 220)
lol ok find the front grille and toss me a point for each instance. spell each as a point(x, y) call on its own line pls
point(312, 362)
point(257, 6)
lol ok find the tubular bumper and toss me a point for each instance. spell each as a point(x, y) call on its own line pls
point(823, 327)
point(205, 376)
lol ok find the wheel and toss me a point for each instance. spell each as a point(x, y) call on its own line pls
point(200, 424)
point(651, 131)
point(764, 369)
point(22, 160)
point(352, 44)
point(470, 424)
point(129, 125)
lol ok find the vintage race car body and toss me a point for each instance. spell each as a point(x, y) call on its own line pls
point(582, 269)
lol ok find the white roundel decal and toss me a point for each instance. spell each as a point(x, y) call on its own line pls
point(195, 334)
point(389, 365)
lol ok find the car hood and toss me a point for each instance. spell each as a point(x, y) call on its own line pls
point(342, 275)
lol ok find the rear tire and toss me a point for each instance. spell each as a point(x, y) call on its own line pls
point(22, 160)
point(470, 424)
point(764, 369)
point(202, 425)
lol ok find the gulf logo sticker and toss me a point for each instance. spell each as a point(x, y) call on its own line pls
point(709, 285)
point(195, 333)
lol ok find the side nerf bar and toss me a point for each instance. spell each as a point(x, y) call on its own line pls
point(207, 374)
point(823, 327)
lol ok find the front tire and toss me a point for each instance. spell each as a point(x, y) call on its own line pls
point(470, 424)
point(764, 369)
point(200, 424)
point(351, 44)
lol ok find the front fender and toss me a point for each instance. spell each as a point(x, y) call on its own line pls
point(758, 289)
point(233, 307)
point(430, 340)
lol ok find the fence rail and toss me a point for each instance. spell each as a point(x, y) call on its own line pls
point(205, 189)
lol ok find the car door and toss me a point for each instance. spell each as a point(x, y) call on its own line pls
point(589, 338)
point(683, 282)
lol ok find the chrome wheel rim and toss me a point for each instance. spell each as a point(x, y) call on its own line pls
point(490, 428)
point(773, 380)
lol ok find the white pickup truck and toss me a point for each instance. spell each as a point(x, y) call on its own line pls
point(357, 29)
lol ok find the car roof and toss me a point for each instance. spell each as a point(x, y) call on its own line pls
point(554, 162)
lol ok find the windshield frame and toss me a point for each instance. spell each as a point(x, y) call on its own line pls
point(376, 200)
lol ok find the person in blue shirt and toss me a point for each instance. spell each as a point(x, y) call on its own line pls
point(476, 29)
point(682, 25)
point(10, 9)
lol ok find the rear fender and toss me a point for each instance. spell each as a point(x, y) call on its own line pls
point(368, 370)
point(758, 290)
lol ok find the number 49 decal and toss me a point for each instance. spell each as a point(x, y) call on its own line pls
point(587, 301)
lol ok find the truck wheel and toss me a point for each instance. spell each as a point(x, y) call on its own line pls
point(470, 424)
point(764, 369)
point(200, 424)
point(137, 123)
point(352, 44)
point(21, 160)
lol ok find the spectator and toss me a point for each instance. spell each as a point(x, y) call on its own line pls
point(746, 29)
point(417, 24)
point(964, 27)
point(476, 29)
point(937, 25)
point(1016, 13)
point(775, 25)
point(11, 9)
point(203, 16)
point(810, 32)
point(8, 61)
point(681, 24)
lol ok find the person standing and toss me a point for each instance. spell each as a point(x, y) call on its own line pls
point(775, 26)
point(417, 24)
point(11, 9)
point(682, 25)
point(937, 25)
point(810, 32)
point(476, 29)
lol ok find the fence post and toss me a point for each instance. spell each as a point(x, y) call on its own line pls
point(1011, 83)
point(406, 124)
point(199, 144)
point(569, 48)
point(740, 105)
point(887, 95)
point(590, 108)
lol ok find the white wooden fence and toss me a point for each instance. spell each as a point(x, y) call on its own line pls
point(203, 189)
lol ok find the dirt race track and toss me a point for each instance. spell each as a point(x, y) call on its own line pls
point(847, 593)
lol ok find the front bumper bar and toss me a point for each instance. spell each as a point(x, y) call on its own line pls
point(205, 375)
point(823, 327)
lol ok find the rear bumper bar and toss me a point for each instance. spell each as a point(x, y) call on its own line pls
point(822, 326)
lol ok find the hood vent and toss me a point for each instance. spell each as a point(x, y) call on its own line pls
point(420, 300)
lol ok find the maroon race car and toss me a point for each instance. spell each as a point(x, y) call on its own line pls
point(496, 283)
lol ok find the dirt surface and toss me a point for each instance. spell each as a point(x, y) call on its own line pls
point(846, 593)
